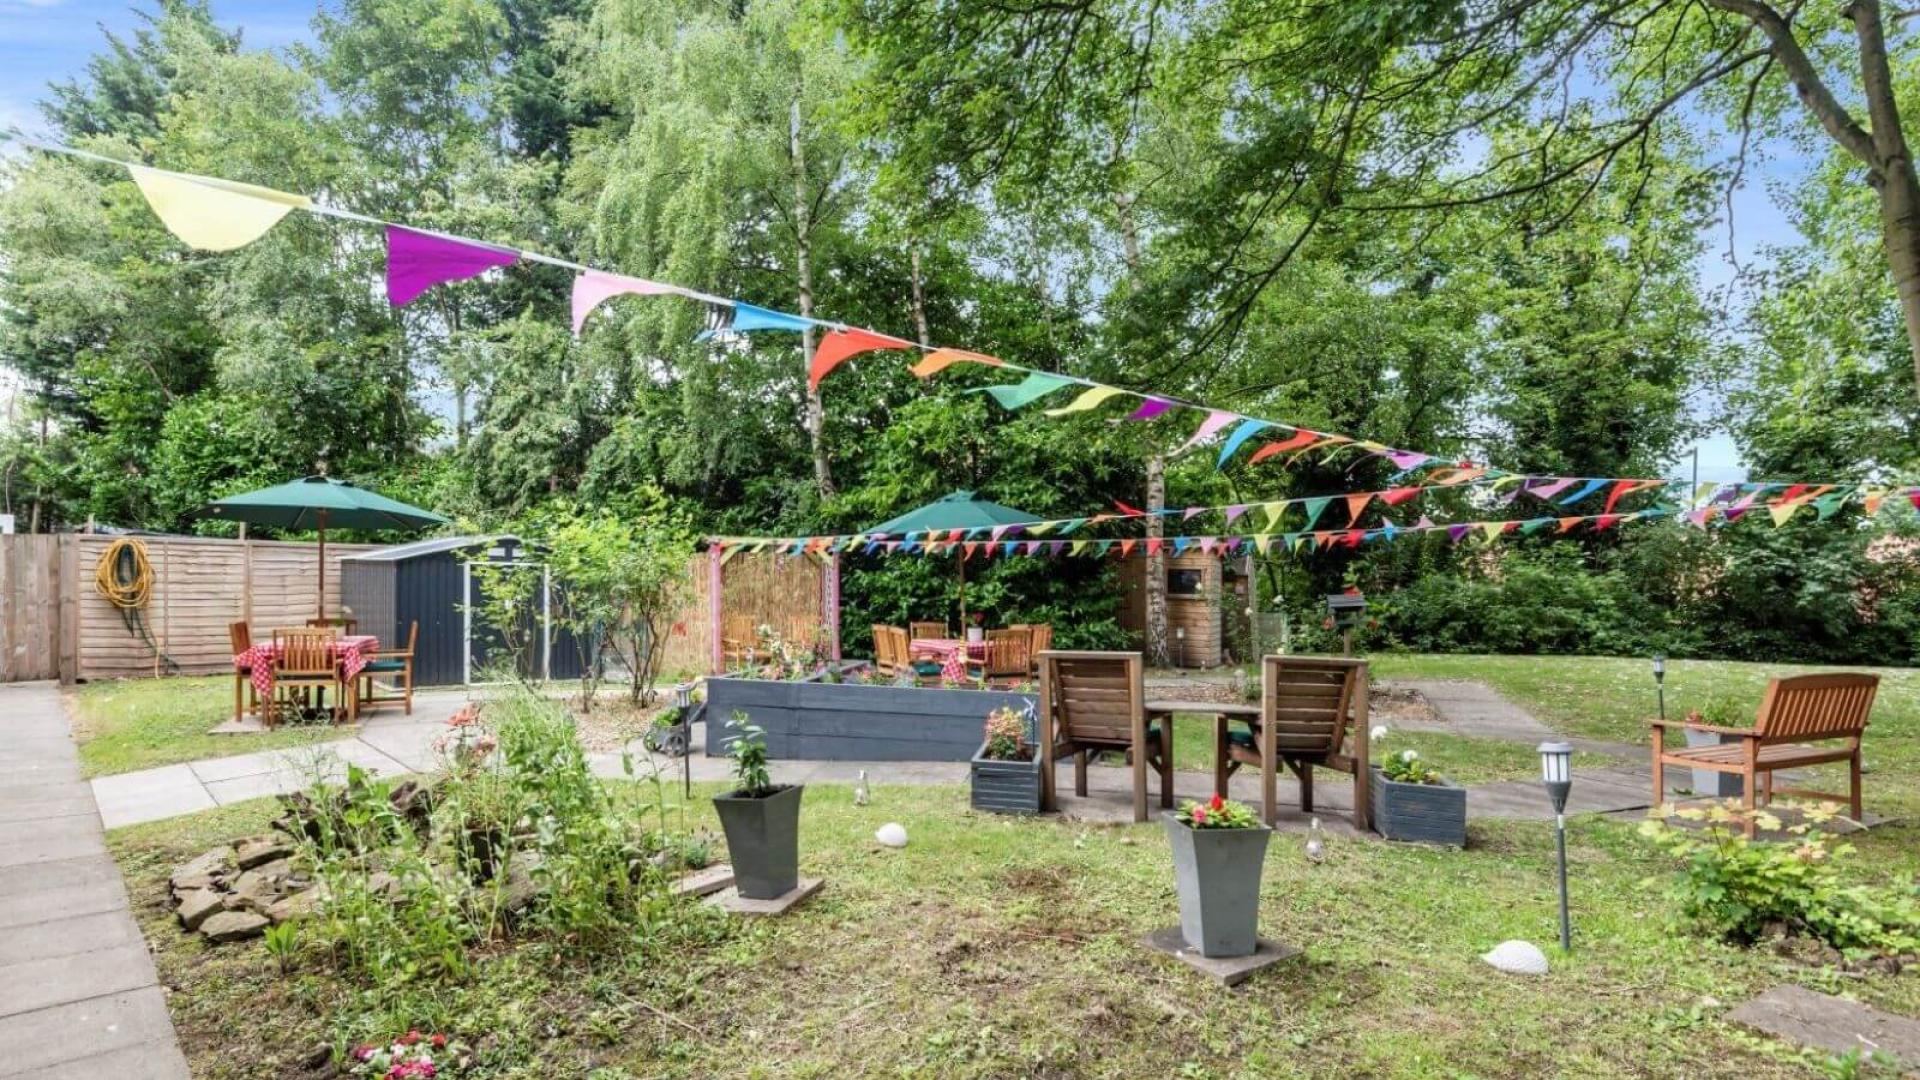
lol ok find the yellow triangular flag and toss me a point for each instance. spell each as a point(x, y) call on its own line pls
point(1782, 511)
point(1086, 401)
point(212, 214)
point(1493, 529)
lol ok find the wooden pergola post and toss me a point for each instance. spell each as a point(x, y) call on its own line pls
point(830, 603)
point(716, 628)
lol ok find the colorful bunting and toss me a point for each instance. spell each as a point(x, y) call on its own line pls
point(1150, 409)
point(941, 359)
point(1299, 440)
point(418, 261)
point(1238, 437)
point(1036, 385)
point(211, 214)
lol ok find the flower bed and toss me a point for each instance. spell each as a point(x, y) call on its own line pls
point(813, 720)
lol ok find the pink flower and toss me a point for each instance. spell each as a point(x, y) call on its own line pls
point(363, 1052)
point(1199, 815)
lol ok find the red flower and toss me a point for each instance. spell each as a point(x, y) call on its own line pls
point(439, 1042)
point(412, 1036)
point(1216, 802)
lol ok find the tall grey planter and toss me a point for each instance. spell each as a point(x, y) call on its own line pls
point(1216, 873)
point(1005, 787)
point(1424, 813)
point(1716, 785)
point(763, 840)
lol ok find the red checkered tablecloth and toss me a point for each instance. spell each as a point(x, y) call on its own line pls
point(942, 648)
point(353, 652)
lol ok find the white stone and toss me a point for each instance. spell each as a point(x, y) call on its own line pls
point(892, 834)
point(1517, 958)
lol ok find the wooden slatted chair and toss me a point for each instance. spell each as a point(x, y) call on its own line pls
point(924, 630)
point(346, 624)
point(245, 698)
point(1313, 714)
point(395, 665)
point(888, 659)
point(1804, 720)
point(1008, 656)
point(802, 631)
point(741, 640)
point(302, 663)
point(1094, 701)
point(1040, 639)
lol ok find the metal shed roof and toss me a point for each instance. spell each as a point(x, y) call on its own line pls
point(403, 552)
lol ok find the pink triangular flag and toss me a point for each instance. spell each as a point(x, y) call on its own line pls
point(1211, 426)
point(593, 287)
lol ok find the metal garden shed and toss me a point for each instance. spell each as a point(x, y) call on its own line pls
point(431, 581)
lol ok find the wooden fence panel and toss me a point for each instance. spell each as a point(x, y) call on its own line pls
point(200, 585)
point(30, 590)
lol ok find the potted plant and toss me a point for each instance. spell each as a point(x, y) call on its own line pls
point(977, 628)
point(1219, 848)
point(1413, 802)
point(1006, 771)
point(761, 818)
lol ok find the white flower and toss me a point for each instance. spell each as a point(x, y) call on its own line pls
point(1409, 755)
point(1379, 732)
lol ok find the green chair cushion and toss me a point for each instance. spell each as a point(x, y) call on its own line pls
point(385, 665)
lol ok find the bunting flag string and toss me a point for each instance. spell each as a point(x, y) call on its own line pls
point(216, 214)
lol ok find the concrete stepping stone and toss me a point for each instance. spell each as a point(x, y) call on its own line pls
point(1830, 1023)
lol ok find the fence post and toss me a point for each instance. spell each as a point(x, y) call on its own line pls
point(69, 614)
point(716, 661)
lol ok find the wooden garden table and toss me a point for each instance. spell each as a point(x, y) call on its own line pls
point(351, 652)
point(1161, 711)
point(941, 648)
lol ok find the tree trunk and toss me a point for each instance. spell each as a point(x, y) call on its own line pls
point(1156, 643)
point(919, 297)
point(803, 262)
point(1900, 228)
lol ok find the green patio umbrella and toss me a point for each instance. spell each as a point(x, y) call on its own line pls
point(959, 510)
point(317, 502)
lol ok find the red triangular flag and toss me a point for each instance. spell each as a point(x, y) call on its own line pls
point(1398, 495)
point(1128, 510)
point(1620, 487)
point(840, 344)
point(1300, 438)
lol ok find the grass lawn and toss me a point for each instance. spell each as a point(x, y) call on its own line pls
point(998, 947)
point(129, 724)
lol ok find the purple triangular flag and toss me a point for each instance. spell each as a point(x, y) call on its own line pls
point(1455, 532)
point(1150, 408)
point(418, 261)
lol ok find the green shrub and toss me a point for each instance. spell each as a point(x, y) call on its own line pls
point(1741, 890)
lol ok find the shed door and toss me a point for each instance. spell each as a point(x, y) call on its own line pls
point(486, 643)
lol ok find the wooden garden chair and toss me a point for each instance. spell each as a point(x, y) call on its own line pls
point(1313, 715)
point(1804, 720)
point(888, 658)
point(1039, 640)
point(1009, 656)
point(1094, 701)
point(926, 630)
point(395, 665)
point(303, 662)
point(245, 698)
point(741, 640)
point(802, 631)
point(345, 624)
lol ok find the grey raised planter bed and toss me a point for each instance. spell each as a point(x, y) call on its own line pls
point(1005, 787)
point(1425, 813)
point(1716, 785)
point(763, 841)
point(1216, 873)
point(817, 721)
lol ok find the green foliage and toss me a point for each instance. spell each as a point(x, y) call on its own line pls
point(1406, 767)
point(1217, 813)
point(747, 747)
point(1741, 889)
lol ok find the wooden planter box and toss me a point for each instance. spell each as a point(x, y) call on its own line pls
point(816, 721)
point(1424, 813)
point(1005, 787)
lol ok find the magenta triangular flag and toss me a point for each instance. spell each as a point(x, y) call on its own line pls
point(418, 261)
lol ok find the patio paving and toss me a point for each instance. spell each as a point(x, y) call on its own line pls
point(78, 992)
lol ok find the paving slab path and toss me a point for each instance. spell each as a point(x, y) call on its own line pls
point(1833, 1024)
point(78, 992)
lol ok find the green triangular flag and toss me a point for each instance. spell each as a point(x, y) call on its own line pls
point(1036, 385)
point(1314, 509)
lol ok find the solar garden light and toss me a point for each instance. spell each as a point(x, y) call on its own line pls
point(1556, 771)
point(1660, 682)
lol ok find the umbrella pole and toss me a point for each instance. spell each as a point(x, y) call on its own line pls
point(960, 562)
point(322, 598)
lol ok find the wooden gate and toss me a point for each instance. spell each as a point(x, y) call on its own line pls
point(30, 596)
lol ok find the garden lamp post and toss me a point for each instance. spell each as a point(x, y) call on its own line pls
point(1556, 771)
point(1660, 682)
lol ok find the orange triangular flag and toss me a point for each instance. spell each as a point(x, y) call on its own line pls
point(1296, 441)
point(1355, 504)
point(941, 359)
point(843, 343)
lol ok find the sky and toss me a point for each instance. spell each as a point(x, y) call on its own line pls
point(48, 40)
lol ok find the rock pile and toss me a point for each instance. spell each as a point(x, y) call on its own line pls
point(236, 891)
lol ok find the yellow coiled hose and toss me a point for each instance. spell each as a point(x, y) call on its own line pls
point(124, 577)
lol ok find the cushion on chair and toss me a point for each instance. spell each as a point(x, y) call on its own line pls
point(384, 665)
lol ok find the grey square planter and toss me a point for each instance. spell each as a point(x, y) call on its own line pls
point(763, 840)
point(1005, 787)
point(1716, 785)
point(1216, 873)
point(1424, 813)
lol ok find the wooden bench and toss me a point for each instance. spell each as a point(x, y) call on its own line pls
point(1804, 720)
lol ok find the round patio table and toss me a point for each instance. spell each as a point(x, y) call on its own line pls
point(942, 648)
